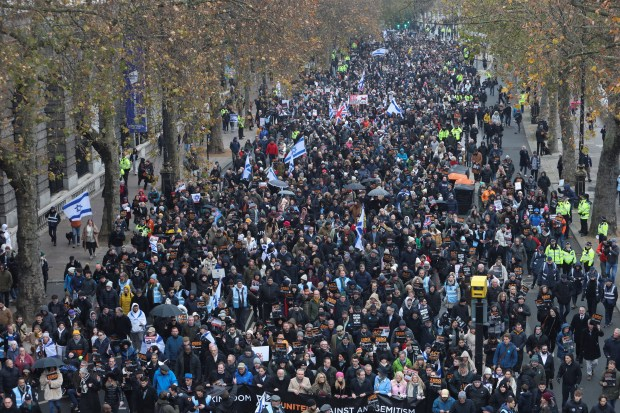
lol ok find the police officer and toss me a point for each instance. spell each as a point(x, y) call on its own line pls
point(583, 209)
point(602, 230)
point(53, 219)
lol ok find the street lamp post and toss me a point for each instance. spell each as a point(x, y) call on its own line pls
point(582, 113)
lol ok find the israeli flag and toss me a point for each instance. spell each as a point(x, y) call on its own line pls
point(359, 229)
point(291, 166)
point(380, 52)
point(78, 208)
point(394, 109)
point(196, 198)
point(299, 149)
point(247, 171)
point(360, 85)
point(271, 175)
point(217, 294)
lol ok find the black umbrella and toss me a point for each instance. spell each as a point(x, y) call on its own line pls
point(47, 363)
point(355, 186)
point(166, 310)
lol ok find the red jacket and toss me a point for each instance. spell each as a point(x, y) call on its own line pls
point(272, 149)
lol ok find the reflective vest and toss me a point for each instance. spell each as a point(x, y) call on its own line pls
point(583, 209)
point(125, 164)
point(156, 294)
point(569, 257)
point(603, 228)
point(587, 256)
point(19, 396)
point(556, 254)
point(563, 208)
point(456, 132)
point(610, 293)
point(443, 134)
point(451, 293)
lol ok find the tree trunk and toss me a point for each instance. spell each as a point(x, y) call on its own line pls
point(567, 130)
point(171, 143)
point(106, 145)
point(24, 181)
point(217, 144)
point(605, 195)
point(553, 121)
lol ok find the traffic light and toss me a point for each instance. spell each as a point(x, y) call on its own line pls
point(398, 27)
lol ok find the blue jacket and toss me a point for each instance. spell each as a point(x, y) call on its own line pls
point(565, 342)
point(173, 346)
point(382, 386)
point(505, 355)
point(162, 382)
point(247, 378)
point(439, 404)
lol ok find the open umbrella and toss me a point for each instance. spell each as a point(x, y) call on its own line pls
point(166, 310)
point(47, 363)
point(278, 183)
point(355, 186)
point(371, 181)
point(285, 192)
point(378, 192)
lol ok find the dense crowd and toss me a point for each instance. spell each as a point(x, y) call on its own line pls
point(352, 294)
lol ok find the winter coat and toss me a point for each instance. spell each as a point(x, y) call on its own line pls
point(138, 319)
point(89, 395)
point(194, 366)
point(125, 300)
point(589, 343)
point(51, 383)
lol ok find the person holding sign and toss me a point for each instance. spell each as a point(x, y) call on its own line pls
point(610, 382)
point(51, 383)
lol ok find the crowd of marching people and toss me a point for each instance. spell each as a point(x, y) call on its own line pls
point(349, 256)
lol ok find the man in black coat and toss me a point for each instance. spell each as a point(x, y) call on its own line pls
point(611, 348)
point(578, 325)
point(122, 324)
point(463, 405)
point(570, 376)
point(146, 397)
point(591, 347)
point(8, 377)
point(546, 360)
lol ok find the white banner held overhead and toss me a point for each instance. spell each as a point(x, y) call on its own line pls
point(358, 99)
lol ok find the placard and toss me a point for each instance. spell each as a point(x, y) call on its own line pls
point(597, 318)
point(263, 351)
point(358, 99)
point(498, 205)
point(381, 343)
point(218, 273)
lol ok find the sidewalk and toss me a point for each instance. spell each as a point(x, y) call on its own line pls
point(549, 165)
point(58, 256)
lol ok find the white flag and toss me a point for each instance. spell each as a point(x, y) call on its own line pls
point(78, 208)
point(359, 229)
point(247, 171)
point(271, 175)
point(217, 294)
point(299, 149)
